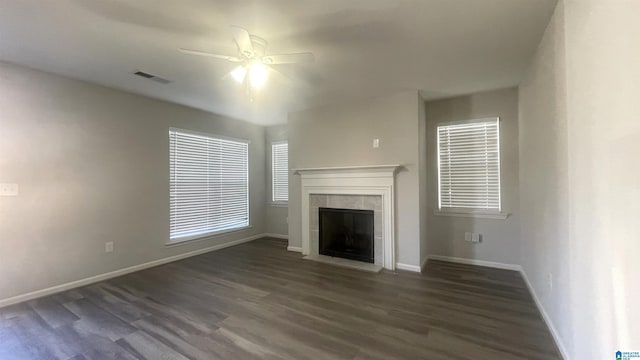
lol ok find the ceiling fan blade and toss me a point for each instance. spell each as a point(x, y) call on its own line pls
point(283, 77)
point(243, 40)
point(217, 56)
point(295, 58)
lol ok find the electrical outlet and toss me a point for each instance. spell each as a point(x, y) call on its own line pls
point(467, 236)
point(108, 247)
point(8, 189)
point(550, 281)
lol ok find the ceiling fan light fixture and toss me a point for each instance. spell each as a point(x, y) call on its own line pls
point(254, 63)
point(239, 73)
point(258, 74)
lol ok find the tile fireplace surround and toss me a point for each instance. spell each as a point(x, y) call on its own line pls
point(357, 187)
point(355, 202)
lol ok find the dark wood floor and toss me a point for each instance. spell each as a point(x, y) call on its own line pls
point(258, 301)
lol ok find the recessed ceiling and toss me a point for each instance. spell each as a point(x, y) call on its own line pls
point(363, 48)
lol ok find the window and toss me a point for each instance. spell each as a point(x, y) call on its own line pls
point(209, 185)
point(280, 171)
point(469, 166)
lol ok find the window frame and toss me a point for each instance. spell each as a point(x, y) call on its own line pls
point(469, 212)
point(201, 236)
point(273, 201)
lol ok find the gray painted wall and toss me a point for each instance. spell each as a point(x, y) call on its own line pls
point(92, 165)
point(500, 238)
point(580, 137)
point(275, 214)
point(342, 136)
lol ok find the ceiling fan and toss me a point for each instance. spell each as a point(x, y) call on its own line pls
point(254, 62)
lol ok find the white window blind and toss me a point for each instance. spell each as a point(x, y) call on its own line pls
point(469, 165)
point(209, 186)
point(280, 171)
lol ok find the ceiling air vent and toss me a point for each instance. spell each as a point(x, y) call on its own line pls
point(151, 77)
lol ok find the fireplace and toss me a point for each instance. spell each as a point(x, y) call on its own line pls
point(369, 187)
point(346, 233)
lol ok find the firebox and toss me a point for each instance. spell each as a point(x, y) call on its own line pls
point(346, 233)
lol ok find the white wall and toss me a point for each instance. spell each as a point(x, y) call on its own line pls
point(92, 165)
point(603, 88)
point(580, 145)
point(500, 238)
point(544, 181)
point(342, 136)
point(275, 214)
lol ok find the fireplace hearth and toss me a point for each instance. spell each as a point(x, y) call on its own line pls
point(346, 233)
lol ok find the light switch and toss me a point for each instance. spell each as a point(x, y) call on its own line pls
point(376, 143)
point(475, 238)
point(7, 189)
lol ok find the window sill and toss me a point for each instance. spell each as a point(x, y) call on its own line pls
point(478, 215)
point(282, 204)
point(205, 236)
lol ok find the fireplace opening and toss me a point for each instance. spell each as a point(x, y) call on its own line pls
point(346, 233)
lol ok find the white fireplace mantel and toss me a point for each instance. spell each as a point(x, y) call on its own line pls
point(352, 180)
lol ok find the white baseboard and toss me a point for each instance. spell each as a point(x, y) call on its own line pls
point(97, 278)
point(407, 267)
point(547, 319)
point(545, 316)
point(93, 279)
point(492, 264)
point(424, 264)
point(412, 268)
point(277, 236)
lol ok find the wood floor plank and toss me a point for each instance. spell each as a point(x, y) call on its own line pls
point(98, 321)
point(259, 301)
point(43, 341)
point(51, 311)
point(146, 347)
point(90, 344)
point(122, 309)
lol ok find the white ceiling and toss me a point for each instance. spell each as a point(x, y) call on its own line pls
point(363, 48)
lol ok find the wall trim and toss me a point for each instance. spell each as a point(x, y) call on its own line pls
point(478, 215)
point(407, 267)
point(424, 264)
point(552, 329)
point(491, 264)
point(294, 249)
point(112, 274)
point(545, 316)
point(277, 236)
